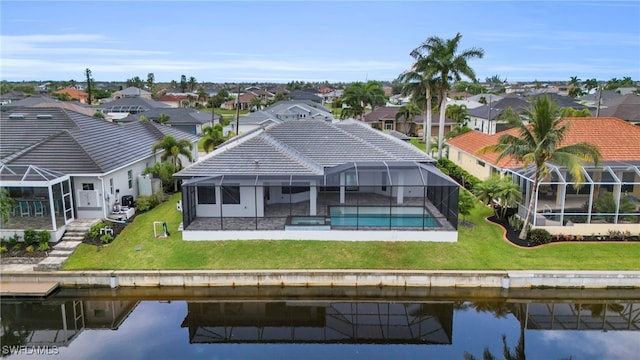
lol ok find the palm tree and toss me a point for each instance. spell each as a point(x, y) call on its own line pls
point(192, 83)
point(256, 103)
point(173, 148)
point(407, 112)
point(450, 65)
point(540, 142)
point(163, 118)
point(212, 137)
point(203, 96)
point(418, 83)
point(358, 95)
point(457, 113)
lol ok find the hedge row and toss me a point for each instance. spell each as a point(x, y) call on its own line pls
point(457, 173)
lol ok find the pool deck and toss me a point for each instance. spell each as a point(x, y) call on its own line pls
point(28, 289)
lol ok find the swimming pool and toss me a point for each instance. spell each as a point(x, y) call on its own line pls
point(381, 216)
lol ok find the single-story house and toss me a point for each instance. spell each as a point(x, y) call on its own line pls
point(185, 119)
point(312, 179)
point(60, 165)
point(74, 94)
point(561, 205)
point(384, 118)
point(131, 92)
point(283, 111)
point(486, 118)
point(118, 109)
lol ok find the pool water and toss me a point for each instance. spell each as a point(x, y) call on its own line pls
point(380, 216)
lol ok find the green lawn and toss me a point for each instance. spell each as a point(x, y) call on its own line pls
point(478, 248)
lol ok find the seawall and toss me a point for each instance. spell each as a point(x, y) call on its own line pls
point(352, 278)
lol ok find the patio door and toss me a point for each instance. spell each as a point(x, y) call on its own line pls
point(67, 202)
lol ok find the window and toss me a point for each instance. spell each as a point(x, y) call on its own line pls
point(87, 186)
point(111, 186)
point(388, 126)
point(130, 178)
point(481, 163)
point(206, 194)
point(459, 156)
point(230, 194)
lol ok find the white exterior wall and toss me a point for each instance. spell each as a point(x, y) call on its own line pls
point(89, 203)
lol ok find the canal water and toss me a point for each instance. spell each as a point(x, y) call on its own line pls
point(322, 323)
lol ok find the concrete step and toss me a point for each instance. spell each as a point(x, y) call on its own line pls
point(61, 253)
point(67, 245)
point(50, 263)
point(72, 237)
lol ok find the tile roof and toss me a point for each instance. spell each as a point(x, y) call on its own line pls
point(303, 147)
point(626, 107)
point(73, 143)
point(312, 109)
point(497, 107)
point(179, 116)
point(73, 93)
point(389, 113)
point(616, 139)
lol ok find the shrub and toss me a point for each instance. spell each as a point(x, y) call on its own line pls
point(146, 203)
point(29, 248)
point(94, 231)
point(43, 246)
point(3, 249)
point(30, 237)
point(44, 237)
point(106, 238)
point(539, 236)
point(516, 222)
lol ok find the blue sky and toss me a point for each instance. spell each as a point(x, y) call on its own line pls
point(312, 41)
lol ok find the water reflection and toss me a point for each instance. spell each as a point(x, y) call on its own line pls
point(333, 322)
point(190, 323)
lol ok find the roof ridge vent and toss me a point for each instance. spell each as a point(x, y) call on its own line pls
point(16, 116)
point(44, 116)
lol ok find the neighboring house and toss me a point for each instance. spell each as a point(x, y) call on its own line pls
point(283, 111)
point(564, 101)
point(300, 95)
point(60, 165)
point(561, 206)
point(485, 118)
point(11, 96)
point(469, 104)
point(74, 94)
point(625, 107)
point(188, 120)
point(131, 92)
point(118, 109)
point(244, 100)
point(485, 98)
point(174, 101)
point(330, 96)
point(316, 180)
point(384, 118)
point(45, 101)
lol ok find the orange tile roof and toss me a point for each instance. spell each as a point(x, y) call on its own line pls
point(617, 140)
point(73, 93)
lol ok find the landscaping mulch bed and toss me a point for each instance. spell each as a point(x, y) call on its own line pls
point(117, 229)
point(22, 252)
point(512, 236)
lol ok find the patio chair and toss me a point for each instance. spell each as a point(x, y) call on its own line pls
point(24, 208)
point(38, 208)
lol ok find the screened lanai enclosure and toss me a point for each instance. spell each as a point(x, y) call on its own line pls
point(609, 194)
point(367, 196)
point(41, 199)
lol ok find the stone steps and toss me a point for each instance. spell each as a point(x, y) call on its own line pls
point(72, 237)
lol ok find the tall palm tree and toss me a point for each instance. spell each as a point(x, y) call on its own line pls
point(374, 94)
point(540, 142)
point(450, 64)
point(418, 83)
point(173, 148)
point(407, 113)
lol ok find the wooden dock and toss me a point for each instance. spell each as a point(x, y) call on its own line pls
point(28, 289)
